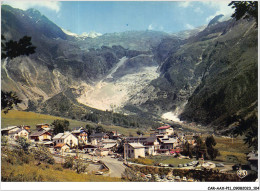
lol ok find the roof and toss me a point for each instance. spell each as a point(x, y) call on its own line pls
point(109, 141)
point(62, 135)
point(59, 145)
point(164, 127)
point(136, 145)
point(78, 130)
point(42, 124)
point(98, 135)
point(17, 131)
point(39, 133)
point(151, 139)
point(8, 128)
point(109, 146)
point(170, 140)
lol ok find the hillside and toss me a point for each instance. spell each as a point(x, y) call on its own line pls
point(15, 117)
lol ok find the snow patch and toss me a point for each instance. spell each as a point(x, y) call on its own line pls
point(84, 35)
point(171, 116)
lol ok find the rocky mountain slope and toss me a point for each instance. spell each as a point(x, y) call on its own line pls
point(208, 76)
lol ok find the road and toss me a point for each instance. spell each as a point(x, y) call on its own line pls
point(116, 168)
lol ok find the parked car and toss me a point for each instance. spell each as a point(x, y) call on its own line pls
point(163, 176)
point(220, 165)
point(190, 180)
point(177, 178)
point(99, 173)
point(148, 176)
point(180, 165)
point(185, 165)
point(184, 179)
point(169, 178)
point(171, 165)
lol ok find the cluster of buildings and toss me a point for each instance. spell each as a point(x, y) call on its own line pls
point(164, 140)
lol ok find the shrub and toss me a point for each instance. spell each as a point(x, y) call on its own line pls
point(42, 153)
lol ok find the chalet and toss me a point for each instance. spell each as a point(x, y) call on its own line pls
point(109, 144)
point(166, 130)
point(90, 148)
point(62, 147)
point(26, 127)
point(141, 140)
point(134, 150)
point(13, 132)
point(43, 126)
point(169, 143)
point(41, 136)
point(81, 134)
point(114, 135)
point(98, 137)
point(151, 145)
point(66, 138)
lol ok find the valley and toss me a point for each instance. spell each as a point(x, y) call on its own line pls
point(129, 105)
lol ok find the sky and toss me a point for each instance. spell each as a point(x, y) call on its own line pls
point(118, 16)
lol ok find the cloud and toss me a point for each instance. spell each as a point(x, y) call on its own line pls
point(155, 27)
point(24, 5)
point(184, 4)
point(150, 27)
point(221, 8)
point(198, 10)
point(189, 26)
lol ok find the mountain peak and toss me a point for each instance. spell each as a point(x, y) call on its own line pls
point(215, 20)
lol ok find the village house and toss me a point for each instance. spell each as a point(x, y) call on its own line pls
point(66, 138)
point(14, 132)
point(41, 136)
point(134, 150)
point(165, 130)
point(140, 139)
point(169, 143)
point(26, 127)
point(98, 137)
point(43, 126)
point(81, 134)
point(114, 135)
point(61, 147)
point(152, 145)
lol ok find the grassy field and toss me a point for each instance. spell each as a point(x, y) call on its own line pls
point(232, 151)
point(15, 117)
point(169, 160)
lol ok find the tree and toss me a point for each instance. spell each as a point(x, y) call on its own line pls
point(200, 147)
point(187, 150)
point(23, 144)
point(211, 151)
point(8, 101)
point(249, 128)
point(79, 165)
point(100, 129)
point(4, 141)
point(245, 10)
point(11, 49)
point(60, 126)
point(139, 132)
point(42, 153)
